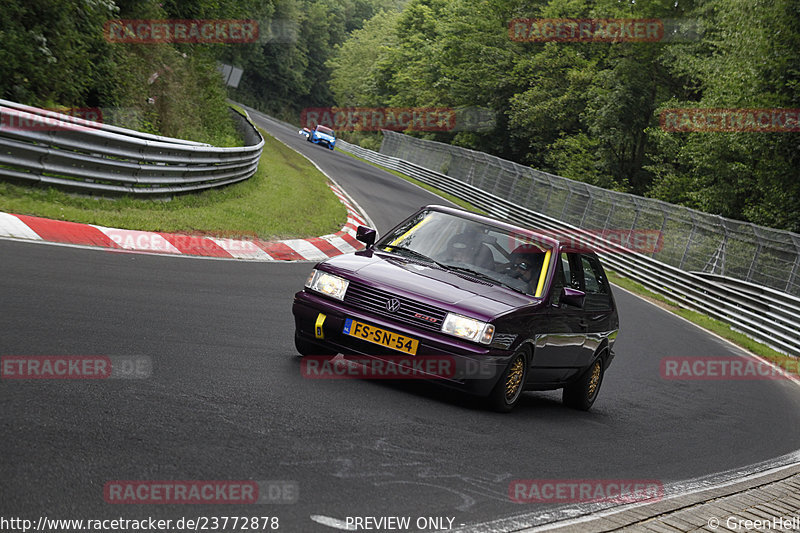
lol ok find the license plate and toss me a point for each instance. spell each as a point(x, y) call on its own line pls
point(380, 336)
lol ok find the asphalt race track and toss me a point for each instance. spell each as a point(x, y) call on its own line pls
point(226, 399)
point(386, 199)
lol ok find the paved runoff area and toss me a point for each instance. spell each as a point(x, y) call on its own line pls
point(765, 503)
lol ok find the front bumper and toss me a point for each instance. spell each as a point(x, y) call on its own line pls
point(476, 368)
point(324, 142)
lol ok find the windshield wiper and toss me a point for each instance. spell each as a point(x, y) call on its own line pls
point(418, 255)
point(453, 268)
point(480, 275)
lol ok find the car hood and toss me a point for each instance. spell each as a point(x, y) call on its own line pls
point(324, 136)
point(433, 285)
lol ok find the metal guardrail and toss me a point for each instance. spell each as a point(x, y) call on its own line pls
point(692, 240)
point(41, 146)
point(767, 315)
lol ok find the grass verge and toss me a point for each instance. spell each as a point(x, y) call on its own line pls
point(715, 326)
point(458, 201)
point(287, 197)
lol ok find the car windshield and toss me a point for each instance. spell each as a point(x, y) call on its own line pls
point(516, 260)
point(323, 129)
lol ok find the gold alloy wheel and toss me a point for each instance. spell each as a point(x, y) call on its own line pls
point(514, 381)
point(594, 380)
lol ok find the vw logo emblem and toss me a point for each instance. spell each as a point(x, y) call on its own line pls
point(393, 305)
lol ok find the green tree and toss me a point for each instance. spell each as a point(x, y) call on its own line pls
point(747, 60)
point(52, 52)
point(354, 80)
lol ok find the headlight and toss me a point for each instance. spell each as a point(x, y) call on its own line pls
point(327, 284)
point(468, 328)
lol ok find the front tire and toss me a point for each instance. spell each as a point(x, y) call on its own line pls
point(508, 390)
point(302, 347)
point(583, 392)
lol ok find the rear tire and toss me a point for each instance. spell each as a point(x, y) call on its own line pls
point(583, 392)
point(508, 390)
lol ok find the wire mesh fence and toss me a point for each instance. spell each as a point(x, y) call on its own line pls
point(691, 240)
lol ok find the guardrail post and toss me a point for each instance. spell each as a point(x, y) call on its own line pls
point(566, 203)
point(636, 212)
point(549, 192)
point(586, 207)
point(753, 263)
point(661, 234)
point(609, 215)
point(688, 243)
point(719, 253)
point(793, 275)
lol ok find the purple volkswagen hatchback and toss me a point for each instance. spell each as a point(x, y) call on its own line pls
point(512, 309)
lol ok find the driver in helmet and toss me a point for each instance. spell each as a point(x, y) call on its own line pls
point(467, 248)
point(526, 264)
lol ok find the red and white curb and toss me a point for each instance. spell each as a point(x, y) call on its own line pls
point(71, 233)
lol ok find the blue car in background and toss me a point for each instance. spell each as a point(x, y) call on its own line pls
point(320, 135)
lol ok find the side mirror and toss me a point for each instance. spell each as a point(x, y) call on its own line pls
point(366, 235)
point(573, 297)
